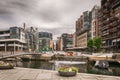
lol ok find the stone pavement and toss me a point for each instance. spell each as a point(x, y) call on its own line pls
point(39, 74)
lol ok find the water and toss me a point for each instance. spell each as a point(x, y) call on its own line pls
point(47, 65)
point(114, 69)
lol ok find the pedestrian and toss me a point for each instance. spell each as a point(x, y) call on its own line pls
point(106, 57)
point(114, 56)
point(12, 51)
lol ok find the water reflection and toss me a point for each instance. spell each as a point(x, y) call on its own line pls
point(83, 68)
point(35, 64)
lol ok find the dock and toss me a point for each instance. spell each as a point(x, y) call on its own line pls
point(40, 74)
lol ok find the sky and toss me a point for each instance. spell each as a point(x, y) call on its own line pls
point(54, 16)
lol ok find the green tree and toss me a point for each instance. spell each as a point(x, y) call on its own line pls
point(97, 43)
point(90, 44)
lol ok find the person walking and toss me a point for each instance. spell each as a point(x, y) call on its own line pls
point(12, 51)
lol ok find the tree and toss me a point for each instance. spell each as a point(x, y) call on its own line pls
point(97, 43)
point(90, 44)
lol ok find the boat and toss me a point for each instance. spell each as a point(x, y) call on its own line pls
point(4, 65)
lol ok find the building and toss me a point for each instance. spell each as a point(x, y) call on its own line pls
point(59, 44)
point(109, 25)
point(45, 40)
point(66, 41)
point(52, 45)
point(12, 39)
point(32, 39)
point(74, 39)
point(83, 30)
point(94, 21)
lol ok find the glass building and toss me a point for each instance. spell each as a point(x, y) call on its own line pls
point(45, 39)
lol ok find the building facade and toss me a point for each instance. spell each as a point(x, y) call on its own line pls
point(83, 30)
point(94, 21)
point(59, 44)
point(32, 39)
point(45, 40)
point(66, 41)
point(109, 24)
point(12, 39)
point(74, 39)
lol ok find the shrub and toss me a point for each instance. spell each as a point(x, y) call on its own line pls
point(68, 69)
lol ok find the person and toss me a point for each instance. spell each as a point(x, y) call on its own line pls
point(12, 51)
point(114, 56)
point(106, 57)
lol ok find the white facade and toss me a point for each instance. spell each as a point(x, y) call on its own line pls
point(12, 39)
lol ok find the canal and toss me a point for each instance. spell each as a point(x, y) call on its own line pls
point(114, 68)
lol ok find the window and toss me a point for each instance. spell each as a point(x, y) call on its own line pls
point(107, 19)
point(117, 15)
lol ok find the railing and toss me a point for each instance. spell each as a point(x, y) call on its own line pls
point(2, 35)
point(15, 53)
point(116, 3)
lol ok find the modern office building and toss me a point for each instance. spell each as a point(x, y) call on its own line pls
point(109, 24)
point(83, 30)
point(94, 21)
point(12, 39)
point(45, 40)
point(66, 41)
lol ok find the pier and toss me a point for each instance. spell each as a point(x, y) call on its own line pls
point(39, 74)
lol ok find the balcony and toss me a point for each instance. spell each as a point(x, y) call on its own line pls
point(116, 4)
point(105, 11)
point(118, 27)
point(105, 27)
point(2, 44)
point(113, 30)
point(114, 24)
point(2, 35)
point(105, 22)
point(112, 19)
point(105, 37)
point(100, 15)
point(104, 34)
point(15, 45)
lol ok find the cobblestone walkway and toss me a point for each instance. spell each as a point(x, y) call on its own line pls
point(39, 74)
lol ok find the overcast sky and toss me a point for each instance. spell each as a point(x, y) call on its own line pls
point(56, 16)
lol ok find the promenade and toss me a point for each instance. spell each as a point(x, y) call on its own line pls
point(39, 74)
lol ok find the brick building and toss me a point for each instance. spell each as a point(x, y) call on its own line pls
point(109, 24)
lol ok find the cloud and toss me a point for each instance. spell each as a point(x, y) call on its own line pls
point(56, 16)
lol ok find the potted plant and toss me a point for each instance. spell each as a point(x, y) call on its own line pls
point(68, 71)
point(4, 65)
